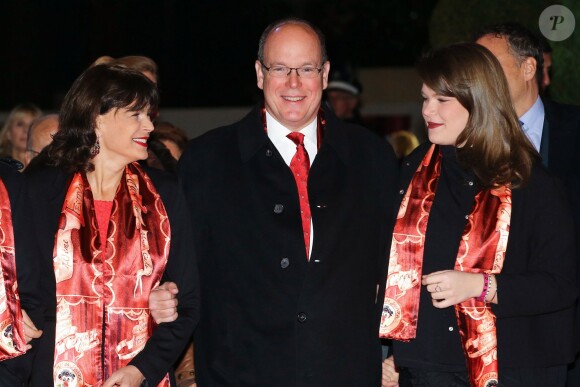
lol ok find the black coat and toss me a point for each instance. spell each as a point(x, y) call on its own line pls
point(537, 286)
point(46, 191)
point(562, 123)
point(269, 316)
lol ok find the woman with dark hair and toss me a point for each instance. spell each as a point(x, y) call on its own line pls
point(481, 282)
point(112, 231)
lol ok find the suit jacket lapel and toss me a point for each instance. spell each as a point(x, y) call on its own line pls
point(251, 134)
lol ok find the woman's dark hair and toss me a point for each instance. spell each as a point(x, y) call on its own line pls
point(95, 92)
point(492, 144)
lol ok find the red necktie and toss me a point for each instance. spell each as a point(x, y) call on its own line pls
point(300, 165)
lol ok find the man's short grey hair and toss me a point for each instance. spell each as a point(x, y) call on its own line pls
point(522, 43)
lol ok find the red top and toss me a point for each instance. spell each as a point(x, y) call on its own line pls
point(103, 212)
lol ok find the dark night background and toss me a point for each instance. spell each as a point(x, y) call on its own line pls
point(205, 49)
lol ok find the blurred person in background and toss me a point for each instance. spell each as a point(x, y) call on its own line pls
point(143, 64)
point(174, 138)
point(14, 133)
point(403, 143)
point(166, 144)
point(343, 96)
point(40, 135)
point(546, 49)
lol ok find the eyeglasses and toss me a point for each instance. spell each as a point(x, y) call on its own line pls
point(279, 71)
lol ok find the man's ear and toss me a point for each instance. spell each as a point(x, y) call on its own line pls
point(529, 65)
point(259, 74)
point(325, 72)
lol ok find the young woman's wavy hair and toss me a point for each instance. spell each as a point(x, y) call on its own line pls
point(493, 144)
point(95, 92)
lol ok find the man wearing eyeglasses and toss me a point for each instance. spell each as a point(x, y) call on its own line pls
point(292, 216)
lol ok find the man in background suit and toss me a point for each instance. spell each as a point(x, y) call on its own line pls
point(290, 299)
point(553, 128)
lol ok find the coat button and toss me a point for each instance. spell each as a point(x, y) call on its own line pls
point(402, 192)
point(284, 263)
point(268, 153)
point(301, 317)
point(278, 208)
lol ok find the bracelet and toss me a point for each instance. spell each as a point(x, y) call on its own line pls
point(486, 286)
point(495, 292)
point(490, 282)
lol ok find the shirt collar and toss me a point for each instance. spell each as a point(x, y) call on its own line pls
point(533, 123)
point(533, 119)
point(278, 132)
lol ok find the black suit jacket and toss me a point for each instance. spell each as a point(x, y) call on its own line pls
point(562, 123)
point(269, 316)
point(46, 191)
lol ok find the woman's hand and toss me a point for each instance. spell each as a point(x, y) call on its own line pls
point(450, 287)
point(128, 376)
point(390, 374)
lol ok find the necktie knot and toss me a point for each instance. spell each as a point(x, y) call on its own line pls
point(297, 138)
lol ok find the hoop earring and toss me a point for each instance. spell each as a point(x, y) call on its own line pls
point(96, 148)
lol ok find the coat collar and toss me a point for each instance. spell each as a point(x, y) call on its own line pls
point(252, 137)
